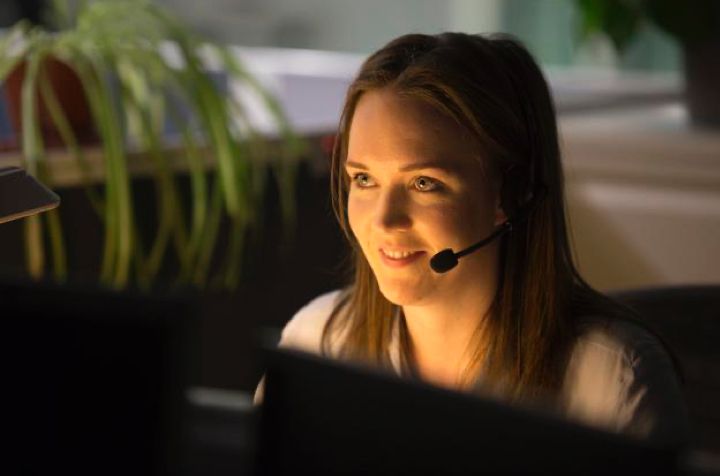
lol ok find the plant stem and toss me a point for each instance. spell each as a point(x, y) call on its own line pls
point(32, 148)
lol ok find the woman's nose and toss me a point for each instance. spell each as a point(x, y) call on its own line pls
point(392, 212)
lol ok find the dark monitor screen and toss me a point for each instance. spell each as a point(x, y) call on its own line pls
point(92, 380)
point(324, 417)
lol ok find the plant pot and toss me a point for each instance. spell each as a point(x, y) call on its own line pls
point(702, 82)
point(70, 94)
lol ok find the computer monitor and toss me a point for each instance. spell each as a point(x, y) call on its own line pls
point(93, 381)
point(327, 417)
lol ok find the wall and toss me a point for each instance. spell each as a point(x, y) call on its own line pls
point(644, 196)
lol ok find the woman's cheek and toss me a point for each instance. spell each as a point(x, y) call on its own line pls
point(357, 215)
point(454, 223)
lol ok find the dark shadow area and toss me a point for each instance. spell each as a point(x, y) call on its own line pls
point(687, 318)
point(282, 270)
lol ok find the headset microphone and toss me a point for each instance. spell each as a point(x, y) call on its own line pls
point(447, 259)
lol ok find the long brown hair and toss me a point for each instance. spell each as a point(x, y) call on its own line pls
point(493, 88)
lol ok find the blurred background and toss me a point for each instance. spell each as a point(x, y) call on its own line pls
point(639, 176)
point(642, 173)
point(550, 28)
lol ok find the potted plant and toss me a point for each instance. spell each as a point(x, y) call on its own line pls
point(140, 69)
point(695, 24)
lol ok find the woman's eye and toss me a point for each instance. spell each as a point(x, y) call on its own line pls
point(363, 180)
point(425, 184)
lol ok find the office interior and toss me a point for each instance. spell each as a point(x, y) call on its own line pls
point(643, 204)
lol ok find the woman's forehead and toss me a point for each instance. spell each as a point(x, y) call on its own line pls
point(387, 127)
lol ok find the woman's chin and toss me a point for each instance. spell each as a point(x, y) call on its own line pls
point(402, 294)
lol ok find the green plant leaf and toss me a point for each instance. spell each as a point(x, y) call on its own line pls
point(68, 137)
point(118, 50)
point(618, 19)
point(32, 154)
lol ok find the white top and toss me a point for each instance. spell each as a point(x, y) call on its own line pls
point(619, 377)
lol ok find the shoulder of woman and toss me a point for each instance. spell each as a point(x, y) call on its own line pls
point(304, 330)
point(615, 338)
point(621, 377)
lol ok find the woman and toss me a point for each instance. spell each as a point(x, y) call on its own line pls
point(446, 140)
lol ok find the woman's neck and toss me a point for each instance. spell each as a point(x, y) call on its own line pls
point(442, 336)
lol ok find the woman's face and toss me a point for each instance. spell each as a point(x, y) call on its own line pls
point(417, 186)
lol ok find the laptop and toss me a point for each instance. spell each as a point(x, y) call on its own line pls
point(326, 417)
point(22, 195)
point(93, 380)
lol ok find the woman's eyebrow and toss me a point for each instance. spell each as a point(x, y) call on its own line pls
point(437, 165)
point(356, 165)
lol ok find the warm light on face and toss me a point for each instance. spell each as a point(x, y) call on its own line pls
point(417, 186)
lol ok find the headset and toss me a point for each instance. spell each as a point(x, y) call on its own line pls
point(447, 259)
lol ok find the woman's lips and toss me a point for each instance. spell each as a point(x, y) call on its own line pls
point(395, 259)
